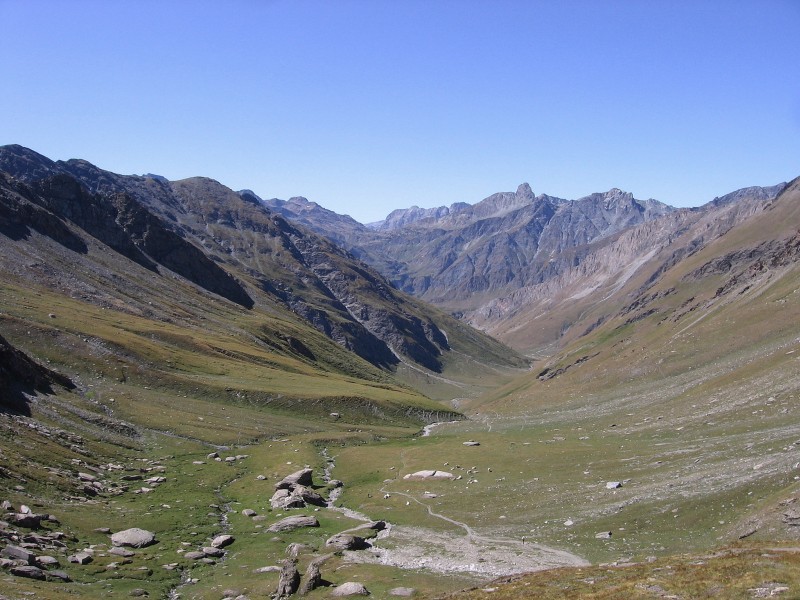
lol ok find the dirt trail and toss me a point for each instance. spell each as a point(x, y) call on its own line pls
point(409, 547)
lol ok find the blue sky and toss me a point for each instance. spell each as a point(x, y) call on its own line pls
point(366, 106)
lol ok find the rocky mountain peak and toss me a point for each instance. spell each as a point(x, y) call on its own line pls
point(524, 191)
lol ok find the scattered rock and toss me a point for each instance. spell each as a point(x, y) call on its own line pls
point(194, 555)
point(134, 537)
point(120, 551)
point(469, 443)
point(402, 591)
point(213, 552)
point(290, 523)
point(612, 485)
point(105, 530)
point(351, 588)
point(249, 512)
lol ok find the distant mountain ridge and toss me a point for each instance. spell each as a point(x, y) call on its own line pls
point(487, 262)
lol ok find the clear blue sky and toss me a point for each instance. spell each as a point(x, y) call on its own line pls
point(366, 106)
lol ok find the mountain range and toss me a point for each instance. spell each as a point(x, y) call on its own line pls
point(619, 376)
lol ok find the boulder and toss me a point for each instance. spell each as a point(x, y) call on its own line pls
point(308, 495)
point(134, 538)
point(59, 575)
point(346, 541)
point(430, 474)
point(27, 520)
point(289, 579)
point(213, 552)
point(80, 558)
point(249, 512)
point(313, 576)
point(18, 553)
point(351, 588)
point(119, 551)
point(28, 571)
point(603, 535)
point(222, 540)
point(46, 562)
point(194, 555)
point(290, 523)
point(301, 477)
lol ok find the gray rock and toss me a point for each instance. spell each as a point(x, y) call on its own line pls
point(139, 593)
point(249, 512)
point(346, 541)
point(213, 552)
point(18, 553)
point(603, 535)
point(81, 558)
point(351, 588)
point(194, 555)
point(294, 549)
point(301, 477)
point(402, 591)
point(27, 520)
point(28, 571)
point(134, 537)
point(429, 474)
point(221, 541)
point(59, 575)
point(613, 485)
point(290, 523)
point(289, 579)
point(469, 443)
point(313, 576)
point(47, 561)
point(119, 551)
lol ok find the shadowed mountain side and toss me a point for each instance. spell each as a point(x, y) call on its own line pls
point(20, 377)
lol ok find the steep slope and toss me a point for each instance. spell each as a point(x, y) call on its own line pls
point(231, 245)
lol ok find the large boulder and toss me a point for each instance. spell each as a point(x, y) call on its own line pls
point(430, 474)
point(222, 540)
point(301, 477)
point(351, 588)
point(289, 579)
point(291, 523)
point(134, 537)
point(346, 541)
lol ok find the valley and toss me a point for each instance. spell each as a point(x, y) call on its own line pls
point(174, 350)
